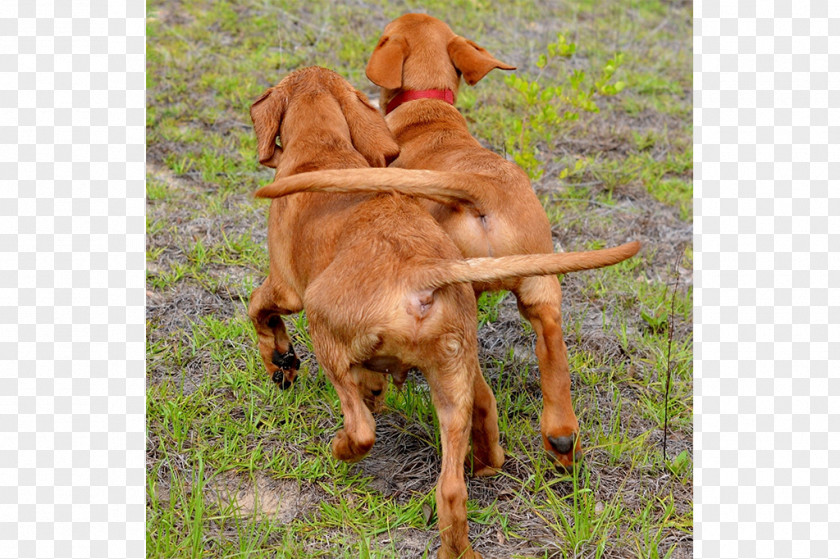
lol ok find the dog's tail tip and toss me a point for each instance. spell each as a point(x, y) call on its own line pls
point(633, 247)
point(624, 251)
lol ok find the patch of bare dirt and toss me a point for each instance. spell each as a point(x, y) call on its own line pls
point(281, 501)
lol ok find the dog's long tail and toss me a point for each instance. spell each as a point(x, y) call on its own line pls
point(445, 187)
point(481, 270)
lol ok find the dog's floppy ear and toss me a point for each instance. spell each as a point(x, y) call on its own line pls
point(472, 60)
point(368, 131)
point(386, 63)
point(267, 114)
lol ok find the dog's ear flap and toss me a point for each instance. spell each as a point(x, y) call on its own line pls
point(386, 63)
point(472, 60)
point(267, 114)
point(368, 131)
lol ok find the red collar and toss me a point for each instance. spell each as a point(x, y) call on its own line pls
point(405, 96)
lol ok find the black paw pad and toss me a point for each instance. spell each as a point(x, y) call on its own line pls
point(286, 360)
point(563, 445)
point(280, 379)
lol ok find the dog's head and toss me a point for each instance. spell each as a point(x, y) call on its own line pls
point(438, 57)
point(319, 99)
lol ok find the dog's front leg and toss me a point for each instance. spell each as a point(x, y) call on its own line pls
point(452, 395)
point(267, 305)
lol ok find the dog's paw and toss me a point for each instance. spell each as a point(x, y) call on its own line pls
point(486, 471)
point(373, 387)
point(485, 464)
point(563, 445)
point(564, 451)
point(347, 450)
point(287, 365)
point(375, 399)
point(467, 554)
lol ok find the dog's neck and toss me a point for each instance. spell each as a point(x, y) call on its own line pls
point(316, 151)
point(422, 123)
point(411, 95)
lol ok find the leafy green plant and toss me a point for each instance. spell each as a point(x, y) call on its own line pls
point(681, 464)
point(546, 106)
point(657, 319)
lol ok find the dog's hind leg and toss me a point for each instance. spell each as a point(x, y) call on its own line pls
point(268, 304)
point(487, 455)
point(356, 438)
point(539, 300)
point(373, 387)
point(451, 387)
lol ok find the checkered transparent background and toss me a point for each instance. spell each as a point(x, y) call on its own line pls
point(767, 323)
point(71, 279)
point(767, 97)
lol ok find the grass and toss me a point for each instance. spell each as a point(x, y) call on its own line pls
point(239, 468)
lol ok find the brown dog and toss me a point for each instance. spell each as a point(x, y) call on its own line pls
point(384, 287)
point(484, 203)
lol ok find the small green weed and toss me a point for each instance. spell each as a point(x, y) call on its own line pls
point(543, 107)
point(488, 306)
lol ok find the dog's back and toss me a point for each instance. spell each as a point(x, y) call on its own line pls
point(378, 236)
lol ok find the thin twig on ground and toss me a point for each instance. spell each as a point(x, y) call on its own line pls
point(670, 339)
